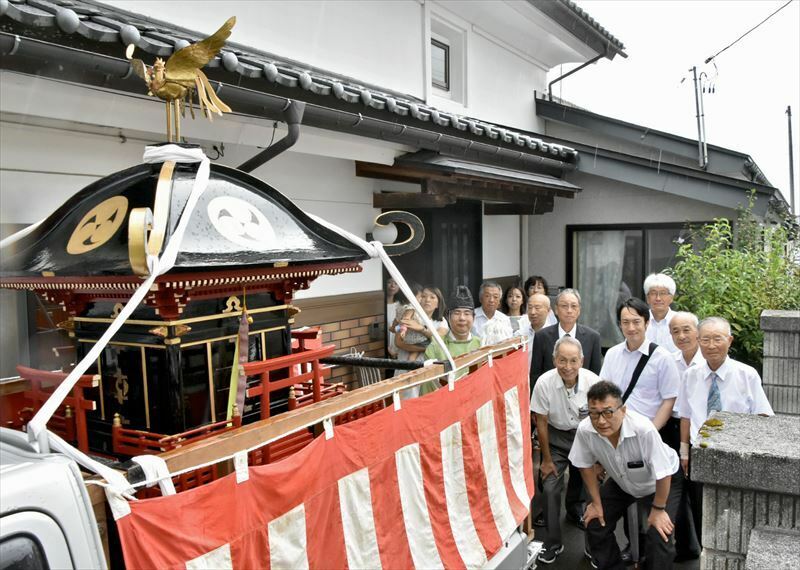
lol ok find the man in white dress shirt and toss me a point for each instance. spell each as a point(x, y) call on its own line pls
point(653, 392)
point(683, 328)
point(640, 467)
point(656, 387)
point(559, 402)
point(535, 319)
point(490, 296)
point(659, 290)
point(719, 384)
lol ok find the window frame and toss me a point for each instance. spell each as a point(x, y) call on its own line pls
point(572, 229)
point(436, 43)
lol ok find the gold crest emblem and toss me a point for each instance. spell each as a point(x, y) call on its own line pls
point(98, 225)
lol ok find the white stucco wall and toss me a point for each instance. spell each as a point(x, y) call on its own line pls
point(510, 46)
point(376, 42)
point(500, 246)
point(604, 202)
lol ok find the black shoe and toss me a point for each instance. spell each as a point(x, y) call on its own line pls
point(588, 555)
point(549, 554)
point(627, 557)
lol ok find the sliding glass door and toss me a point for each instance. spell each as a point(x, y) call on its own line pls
point(609, 263)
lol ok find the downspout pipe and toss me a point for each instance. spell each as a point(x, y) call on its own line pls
point(567, 74)
point(293, 116)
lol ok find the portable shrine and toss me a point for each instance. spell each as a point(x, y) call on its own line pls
point(169, 369)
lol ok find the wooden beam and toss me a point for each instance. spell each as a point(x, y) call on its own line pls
point(263, 432)
point(411, 200)
point(490, 209)
point(491, 194)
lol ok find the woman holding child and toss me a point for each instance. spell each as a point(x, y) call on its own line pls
point(412, 336)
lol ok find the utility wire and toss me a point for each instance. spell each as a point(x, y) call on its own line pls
point(748, 31)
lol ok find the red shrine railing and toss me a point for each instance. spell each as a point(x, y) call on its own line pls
point(69, 421)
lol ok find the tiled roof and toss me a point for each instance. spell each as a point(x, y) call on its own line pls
point(74, 20)
point(593, 23)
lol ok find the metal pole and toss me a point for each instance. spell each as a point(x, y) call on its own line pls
point(700, 158)
point(791, 161)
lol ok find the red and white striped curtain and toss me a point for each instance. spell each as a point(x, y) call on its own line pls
point(440, 482)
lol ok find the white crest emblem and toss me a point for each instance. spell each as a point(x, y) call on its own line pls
point(241, 222)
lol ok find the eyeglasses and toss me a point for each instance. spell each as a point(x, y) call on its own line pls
point(707, 340)
point(655, 293)
point(608, 413)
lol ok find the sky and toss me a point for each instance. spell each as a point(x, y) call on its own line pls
point(755, 79)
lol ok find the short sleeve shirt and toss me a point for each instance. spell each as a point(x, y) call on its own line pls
point(658, 382)
point(638, 461)
point(564, 407)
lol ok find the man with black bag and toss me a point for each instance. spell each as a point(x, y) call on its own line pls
point(645, 373)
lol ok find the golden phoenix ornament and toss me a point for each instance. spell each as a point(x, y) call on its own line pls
point(176, 80)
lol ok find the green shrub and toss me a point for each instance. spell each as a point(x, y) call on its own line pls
point(738, 275)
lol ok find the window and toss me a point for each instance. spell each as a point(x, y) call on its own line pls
point(440, 64)
point(447, 65)
point(21, 552)
point(609, 263)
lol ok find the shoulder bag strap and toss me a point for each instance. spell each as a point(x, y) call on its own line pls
point(638, 371)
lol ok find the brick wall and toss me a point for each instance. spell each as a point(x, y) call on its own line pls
point(345, 322)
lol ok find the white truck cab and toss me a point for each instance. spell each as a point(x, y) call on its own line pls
point(46, 517)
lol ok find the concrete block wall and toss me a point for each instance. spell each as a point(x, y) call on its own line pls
point(781, 374)
point(750, 471)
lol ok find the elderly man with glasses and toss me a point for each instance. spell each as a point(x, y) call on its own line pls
point(641, 468)
point(660, 290)
point(719, 384)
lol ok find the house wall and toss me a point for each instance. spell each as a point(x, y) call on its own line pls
point(604, 202)
point(500, 246)
point(510, 46)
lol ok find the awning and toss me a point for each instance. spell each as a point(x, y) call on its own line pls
point(445, 179)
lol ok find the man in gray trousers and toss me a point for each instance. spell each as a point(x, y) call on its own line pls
point(559, 403)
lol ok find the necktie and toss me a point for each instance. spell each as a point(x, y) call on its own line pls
point(714, 399)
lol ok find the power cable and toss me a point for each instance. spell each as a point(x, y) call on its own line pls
point(748, 31)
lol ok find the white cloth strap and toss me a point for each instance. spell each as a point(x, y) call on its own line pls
point(375, 249)
point(156, 472)
point(158, 266)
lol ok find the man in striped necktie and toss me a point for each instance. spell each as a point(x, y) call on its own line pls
point(720, 384)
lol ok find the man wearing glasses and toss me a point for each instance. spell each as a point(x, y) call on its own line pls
point(641, 468)
point(719, 384)
point(659, 290)
point(559, 402)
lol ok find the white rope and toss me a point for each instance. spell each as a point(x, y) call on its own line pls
point(38, 425)
point(375, 250)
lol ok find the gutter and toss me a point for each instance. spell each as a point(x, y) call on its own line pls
point(567, 74)
point(29, 56)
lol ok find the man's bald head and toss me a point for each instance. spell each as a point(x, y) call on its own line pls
point(538, 309)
